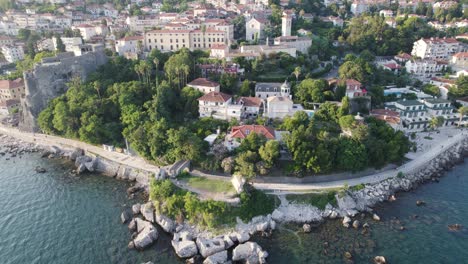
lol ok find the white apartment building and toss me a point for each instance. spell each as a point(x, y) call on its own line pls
point(424, 69)
point(4, 41)
point(436, 48)
point(8, 28)
point(172, 40)
point(219, 106)
point(12, 53)
point(140, 23)
point(129, 45)
point(204, 85)
point(69, 43)
point(301, 44)
point(459, 60)
point(87, 31)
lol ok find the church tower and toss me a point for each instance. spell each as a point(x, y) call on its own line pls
point(285, 89)
point(286, 25)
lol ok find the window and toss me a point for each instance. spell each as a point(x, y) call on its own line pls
point(247, 131)
point(149, 41)
point(162, 40)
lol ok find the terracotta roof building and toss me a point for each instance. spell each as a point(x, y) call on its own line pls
point(243, 131)
point(204, 85)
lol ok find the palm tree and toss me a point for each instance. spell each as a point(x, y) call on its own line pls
point(462, 111)
point(156, 63)
point(436, 122)
point(297, 72)
point(137, 69)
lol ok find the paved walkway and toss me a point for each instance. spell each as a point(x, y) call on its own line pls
point(420, 161)
point(428, 154)
point(48, 140)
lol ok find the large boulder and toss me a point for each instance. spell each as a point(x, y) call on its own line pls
point(82, 160)
point(81, 168)
point(141, 224)
point(238, 183)
point(136, 208)
point(185, 248)
point(125, 216)
point(165, 223)
point(184, 245)
point(146, 237)
point(249, 252)
point(217, 258)
point(91, 165)
point(147, 210)
point(75, 154)
point(208, 247)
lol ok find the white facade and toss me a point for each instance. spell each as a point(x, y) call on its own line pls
point(129, 45)
point(254, 29)
point(281, 107)
point(423, 69)
point(172, 40)
point(301, 44)
point(267, 90)
point(286, 24)
point(8, 28)
point(12, 53)
point(436, 48)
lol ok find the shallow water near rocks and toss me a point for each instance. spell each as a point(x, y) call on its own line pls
point(425, 238)
point(55, 217)
point(58, 218)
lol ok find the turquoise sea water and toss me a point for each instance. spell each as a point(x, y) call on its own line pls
point(58, 218)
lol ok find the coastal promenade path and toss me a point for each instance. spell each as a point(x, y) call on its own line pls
point(48, 140)
point(413, 165)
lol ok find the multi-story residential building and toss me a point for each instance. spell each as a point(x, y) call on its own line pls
point(6, 106)
point(11, 89)
point(69, 43)
point(412, 114)
point(172, 40)
point(354, 89)
point(87, 31)
point(218, 105)
point(8, 28)
point(254, 29)
point(238, 133)
point(278, 107)
point(204, 85)
point(140, 23)
point(12, 53)
point(301, 44)
point(444, 5)
point(459, 61)
point(436, 48)
point(425, 68)
point(251, 106)
point(266, 90)
point(127, 45)
point(6, 41)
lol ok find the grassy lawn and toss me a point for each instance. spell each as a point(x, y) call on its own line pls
point(208, 185)
point(319, 199)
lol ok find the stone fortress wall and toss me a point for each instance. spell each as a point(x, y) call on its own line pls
point(49, 79)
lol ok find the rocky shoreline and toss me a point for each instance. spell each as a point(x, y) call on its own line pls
point(196, 246)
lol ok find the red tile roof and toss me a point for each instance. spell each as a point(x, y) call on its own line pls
point(244, 131)
point(215, 97)
point(203, 82)
point(251, 101)
point(461, 55)
point(7, 84)
point(352, 82)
